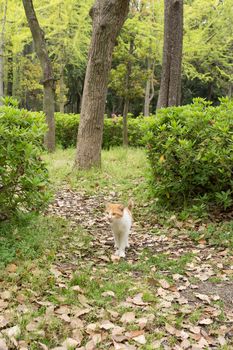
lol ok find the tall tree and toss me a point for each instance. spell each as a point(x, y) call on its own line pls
point(48, 78)
point(108, 18)
point(170, 86)
point(2, 34)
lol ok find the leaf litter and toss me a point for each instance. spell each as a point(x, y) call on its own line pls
point(204, 323)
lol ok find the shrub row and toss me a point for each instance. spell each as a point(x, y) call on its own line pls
point(23, 175)
point(67, 129)
point(190, 149)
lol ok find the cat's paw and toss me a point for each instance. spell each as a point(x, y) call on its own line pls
point(117, 253)
point(121, 254)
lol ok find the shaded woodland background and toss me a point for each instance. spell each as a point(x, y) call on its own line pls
point(206, 61)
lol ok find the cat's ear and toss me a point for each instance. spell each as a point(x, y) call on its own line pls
point(107, 205)
point(121, 207)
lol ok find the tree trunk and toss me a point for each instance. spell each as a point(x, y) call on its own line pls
point(170, 86)
point(149, 90)
point(48, 78)
point(108, 18)
point(62, 91)
point(2, 39)
point(125, 122)
point(126, 100)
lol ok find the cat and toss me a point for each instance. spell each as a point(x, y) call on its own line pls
point(120, 218)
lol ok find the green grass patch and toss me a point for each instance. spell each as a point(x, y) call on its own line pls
point(28, 236)
point(122, 170)
point(219, 235)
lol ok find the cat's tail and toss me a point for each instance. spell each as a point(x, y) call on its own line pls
point(130, 204)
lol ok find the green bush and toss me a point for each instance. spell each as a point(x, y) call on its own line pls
point(67, 130)
point(23, 175)
point(190, 149)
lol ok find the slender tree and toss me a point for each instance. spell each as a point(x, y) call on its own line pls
point(48, 78)
point(108, 18)
point(2, 35)
point(170, 86)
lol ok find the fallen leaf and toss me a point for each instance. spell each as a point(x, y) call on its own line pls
point(128, 317)
point(205, 321)
point(134, 334)
point(3, 345)
point(70, 342)
point(11, 268)
point(12, 331)
point(203, 297)
point(108, 293)
point(164, 284)
point(140, 339)
point(3, 321)
point(106, 325)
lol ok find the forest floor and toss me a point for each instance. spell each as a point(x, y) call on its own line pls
point(62, 287)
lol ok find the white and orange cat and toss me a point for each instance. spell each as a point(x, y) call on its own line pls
point(120, 218)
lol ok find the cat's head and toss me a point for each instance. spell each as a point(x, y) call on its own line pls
point(114, 211)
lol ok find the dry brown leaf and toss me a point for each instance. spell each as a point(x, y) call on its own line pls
point(120, 346)
point(32, 326)
point(106, 324)
point(97, 338)
point(119, 338)
point(118, 330)
point(195, 329)
point(90, 345)
point(185, 344)
point(205, 321)
point(137, 300)
point(128, 317)
point(6, 295)
point(3, 304)
point(164, 283)
point(70, 342)
point(3, 321)
point(170, 329)
point(142, 322)
point(63, 310)
point(77, 335)
point(91, 328)
point(203, 297)
point(43, 346)
point(11, 268)
point(80, 312)
point(134, 334)
point(77, 289)
point(12, 331)
point(108, 293)
point(140, 339)
point(115, 258)
point(83, 300)
point(3, 345)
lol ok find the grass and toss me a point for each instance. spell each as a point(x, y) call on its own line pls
point(34, 243)
point(123, 170)
point(28, 236)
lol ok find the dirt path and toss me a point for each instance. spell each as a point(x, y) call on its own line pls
point(202, 293)
point(168, 293)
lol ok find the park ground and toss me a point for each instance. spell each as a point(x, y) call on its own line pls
point(61, 287)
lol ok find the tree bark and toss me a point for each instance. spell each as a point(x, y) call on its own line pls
point(126, 100)
point(170, 86)
point(108, 17)
point(48, 77)
point(62, 91)
point(2, 39)
point(149, 90)
point(125, 122)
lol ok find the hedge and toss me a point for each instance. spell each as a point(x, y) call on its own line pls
point(190, 149)
point(67, 130)
point(23, 174)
